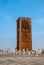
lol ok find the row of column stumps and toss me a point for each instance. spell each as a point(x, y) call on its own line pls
point(30, 53)
point(23, 52)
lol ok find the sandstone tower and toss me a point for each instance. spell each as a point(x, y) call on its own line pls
point(24, 36)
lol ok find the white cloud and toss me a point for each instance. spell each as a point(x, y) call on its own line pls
point(42, 10)
point(6, 17)
point(41, 20)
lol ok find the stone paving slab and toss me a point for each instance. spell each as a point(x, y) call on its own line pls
point(21, 60)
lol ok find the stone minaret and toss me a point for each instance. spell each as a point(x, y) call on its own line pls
point(24, 33)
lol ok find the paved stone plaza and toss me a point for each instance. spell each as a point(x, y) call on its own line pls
point(20, 60)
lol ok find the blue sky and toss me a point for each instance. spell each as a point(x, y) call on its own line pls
point(10, 10)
